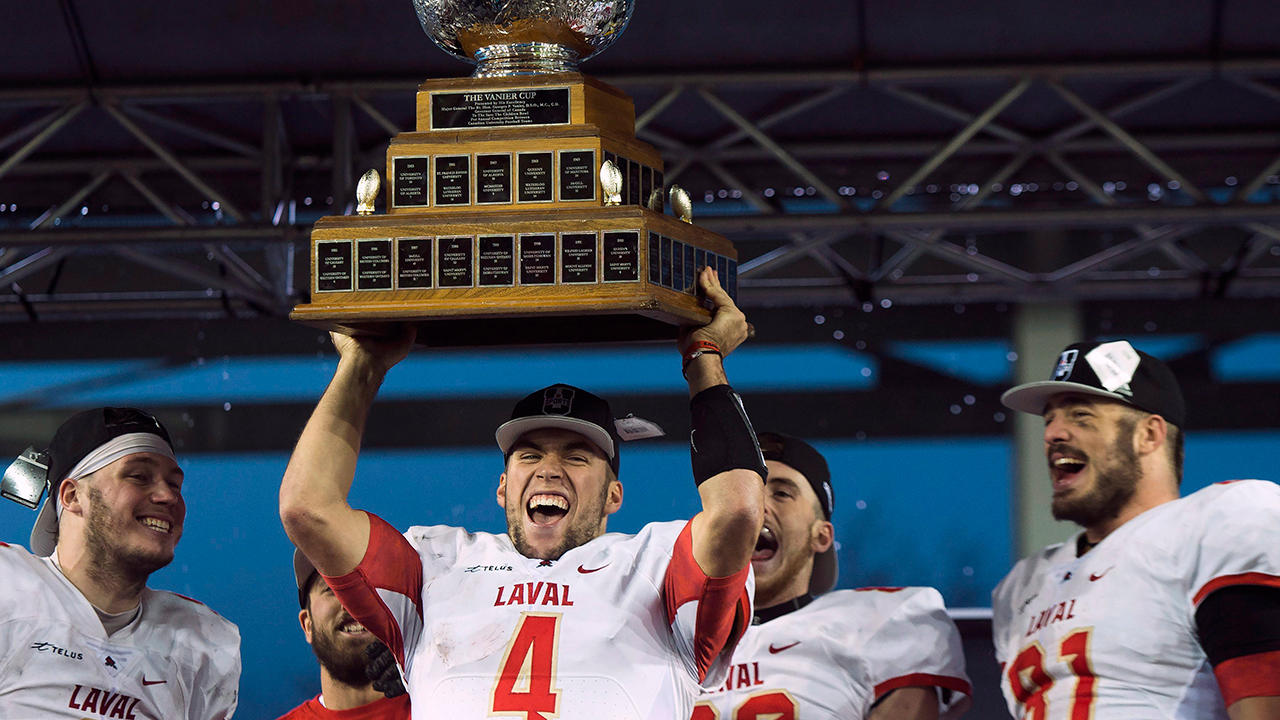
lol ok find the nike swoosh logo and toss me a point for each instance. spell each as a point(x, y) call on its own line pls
point(145, 681)
point(1093, 577)
point(583, 569)
point(775, 650)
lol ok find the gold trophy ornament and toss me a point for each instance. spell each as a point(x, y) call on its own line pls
point(522, 209)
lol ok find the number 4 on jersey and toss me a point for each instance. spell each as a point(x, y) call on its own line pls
point(1030, 682)
point(526, 681)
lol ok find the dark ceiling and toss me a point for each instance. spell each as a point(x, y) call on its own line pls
point(61, 42)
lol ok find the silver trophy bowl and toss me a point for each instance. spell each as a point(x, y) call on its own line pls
point(523, 37)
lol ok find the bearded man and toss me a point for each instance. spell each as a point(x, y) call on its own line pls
point(1161, 606)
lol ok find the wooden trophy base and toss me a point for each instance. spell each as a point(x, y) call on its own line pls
point(579, 275)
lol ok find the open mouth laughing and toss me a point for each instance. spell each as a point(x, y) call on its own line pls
point(1065, 467)
point(766, 545)
point(547, 509)
point(155, 524)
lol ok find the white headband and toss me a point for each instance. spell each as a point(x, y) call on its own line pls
point(116, 448)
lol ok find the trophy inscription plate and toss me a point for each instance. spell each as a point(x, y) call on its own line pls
point(646, 184)
point(699, 262)
point(533, 171)
point(655, 259)
point(677, 266)
point(731, 284)
point(667, 270)
point(497, 261)
point(578, 258)
point(333, 266)
point(577, 175)
point(456, 267)
point(517, 107)
point(621, 257)
point(373, 264)
point(453, 180)
point(413, 263)
point(537, 259)
point(690, 270)
point(493, 179)
point(411, 182)
point(631, 195)
point(624, 166)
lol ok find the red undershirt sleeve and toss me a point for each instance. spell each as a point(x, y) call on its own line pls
point(384, 592)
point(708, 615)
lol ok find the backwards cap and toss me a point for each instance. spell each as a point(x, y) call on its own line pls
point(809, 462)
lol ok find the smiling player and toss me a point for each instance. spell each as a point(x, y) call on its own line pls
point(556, 618)
point(878, 653)
point(83, 636)
point(343, 647)
point(1160, 607)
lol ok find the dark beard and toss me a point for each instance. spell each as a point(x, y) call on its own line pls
point(583, 532)
point(1117, 481)
point(109, 562)
point(344, 661)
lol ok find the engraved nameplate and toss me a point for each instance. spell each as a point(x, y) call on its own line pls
point(453, 180)
point(577, 175)
point(497, 261)
point(677, 266)
point(578, 258)
point(690, 272)
point(632, 195)
point(493, 179)
point(500, 108)
point(621, 256)
point(413, 263)
point(537, 259)
point(333, 265)
point(373, 264)
point(456, 266)
point(410, 181)
point(533, 171)
point(655, 260)
point(666, 262)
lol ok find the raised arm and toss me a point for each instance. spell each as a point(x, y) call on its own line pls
point(725, 532)
point(313, 495)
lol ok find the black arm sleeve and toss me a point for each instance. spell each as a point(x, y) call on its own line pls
point(1239, 620)
point(722, 437)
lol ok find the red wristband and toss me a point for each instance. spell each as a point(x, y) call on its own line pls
point(699, 347)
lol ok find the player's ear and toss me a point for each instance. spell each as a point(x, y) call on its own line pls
point(613, 500)
point(1150, 435)
point(502, 491)
point(823, 535)
point(304, 619)
point(69, 496)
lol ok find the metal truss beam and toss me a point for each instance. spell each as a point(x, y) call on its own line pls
point(924, 238)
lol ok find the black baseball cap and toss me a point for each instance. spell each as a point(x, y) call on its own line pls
point(809, 462)
point(302, 572)
point(563, 407)
point(1115, 370)
point(80, 435)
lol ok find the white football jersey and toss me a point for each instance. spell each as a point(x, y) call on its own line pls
point(609, 631)
point(1113, 633)
point(833, 658)
point(177, 659)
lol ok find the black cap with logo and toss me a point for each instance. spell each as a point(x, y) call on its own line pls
point(1113, 370)
point(804, 458)
point(563, 407)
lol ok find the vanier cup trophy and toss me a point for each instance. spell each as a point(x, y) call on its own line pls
point(523, 210)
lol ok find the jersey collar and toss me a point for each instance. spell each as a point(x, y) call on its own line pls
point(764, 615)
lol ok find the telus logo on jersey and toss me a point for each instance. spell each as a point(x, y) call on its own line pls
point(489, 568)
point(104, 703)
point(55, 650)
